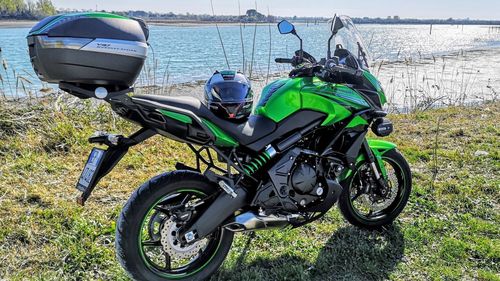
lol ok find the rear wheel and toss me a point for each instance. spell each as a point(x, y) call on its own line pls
point(148, 243)
point(363, 203)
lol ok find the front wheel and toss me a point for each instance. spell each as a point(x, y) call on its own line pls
point(363, 203)
point(148, 244)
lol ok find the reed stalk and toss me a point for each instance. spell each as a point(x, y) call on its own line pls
point(220, 36)
point(242, 41)
point(270, 48)
point(253, 46)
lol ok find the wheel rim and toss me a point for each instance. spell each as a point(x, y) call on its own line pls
point(366, 206)
point(152, 246)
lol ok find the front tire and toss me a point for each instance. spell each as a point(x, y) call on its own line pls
point(399, 175)
point(141, 210)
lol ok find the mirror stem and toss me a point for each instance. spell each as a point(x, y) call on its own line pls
point(329, 54)
point(301, 46)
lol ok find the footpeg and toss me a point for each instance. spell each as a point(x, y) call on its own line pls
point(105, 138)
point(228, 189)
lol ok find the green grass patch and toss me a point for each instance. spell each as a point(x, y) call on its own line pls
point(449, 231)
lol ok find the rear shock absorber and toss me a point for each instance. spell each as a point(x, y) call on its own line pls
point(259, 161)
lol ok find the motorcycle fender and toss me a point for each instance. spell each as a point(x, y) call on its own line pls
point(379, 148)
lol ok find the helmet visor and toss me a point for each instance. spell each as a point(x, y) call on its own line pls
point(231, 92)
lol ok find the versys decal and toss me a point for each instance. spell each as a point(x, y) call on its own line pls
point(115, 48)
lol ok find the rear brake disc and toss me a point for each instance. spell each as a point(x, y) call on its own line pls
point(173, 247)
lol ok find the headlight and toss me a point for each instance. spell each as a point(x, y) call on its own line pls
point(382, 127)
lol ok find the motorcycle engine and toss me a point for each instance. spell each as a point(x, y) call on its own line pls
point(295, 183)
point(303, 178)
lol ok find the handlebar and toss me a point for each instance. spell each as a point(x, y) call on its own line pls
point(345, 70)
point(283, 60)
point(326, 70)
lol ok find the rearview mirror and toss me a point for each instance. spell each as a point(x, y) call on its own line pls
point(285, 27)
point(336, 25)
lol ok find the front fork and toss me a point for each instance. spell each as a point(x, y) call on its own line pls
point(376, 163)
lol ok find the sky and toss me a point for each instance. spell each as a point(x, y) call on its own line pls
point(425, 9)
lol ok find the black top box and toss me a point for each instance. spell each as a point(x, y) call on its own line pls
point(91, 49)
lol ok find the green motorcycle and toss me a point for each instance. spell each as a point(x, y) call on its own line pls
point(303, 149)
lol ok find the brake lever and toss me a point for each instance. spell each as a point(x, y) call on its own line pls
point(296, 61)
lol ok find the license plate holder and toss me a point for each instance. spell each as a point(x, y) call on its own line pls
point(90, 171)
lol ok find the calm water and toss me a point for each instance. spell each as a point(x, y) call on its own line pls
point(183, 54)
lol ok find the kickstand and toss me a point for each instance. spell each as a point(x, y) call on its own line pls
point(244, 253)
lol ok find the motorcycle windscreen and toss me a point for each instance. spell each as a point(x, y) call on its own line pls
point(351, 39)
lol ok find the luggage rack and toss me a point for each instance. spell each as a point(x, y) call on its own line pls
point(83, 91)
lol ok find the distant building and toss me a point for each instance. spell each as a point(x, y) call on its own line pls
point(138, 14)
point(253, 15)
point(396, 18)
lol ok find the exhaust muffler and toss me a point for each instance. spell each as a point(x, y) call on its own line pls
point(251, 221)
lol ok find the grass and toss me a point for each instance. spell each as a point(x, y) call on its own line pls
point(449, 231)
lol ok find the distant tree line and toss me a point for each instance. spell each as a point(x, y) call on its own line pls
point(398, 20)
point(26, 9)
point(254, 16)
point(249, 17)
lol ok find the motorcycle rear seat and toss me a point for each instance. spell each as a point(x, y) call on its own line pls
point(255, 128)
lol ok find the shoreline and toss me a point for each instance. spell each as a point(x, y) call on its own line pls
point(17, 23)
point(12, 23)
point(31, 23)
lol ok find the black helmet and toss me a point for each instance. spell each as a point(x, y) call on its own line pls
point(229, 95)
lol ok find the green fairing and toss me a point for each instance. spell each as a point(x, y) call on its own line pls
point(376, 84)
point(177, 116)
point(221, 138)
point(331, 99)
point(379, 148)
point(357, 121)
point(334, 111)
point(381, 145)
point(309, 94)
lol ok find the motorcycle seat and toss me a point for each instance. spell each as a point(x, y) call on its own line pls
point(255, 128)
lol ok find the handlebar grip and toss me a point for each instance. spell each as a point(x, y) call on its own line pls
point(283, 60)
point(346, 70)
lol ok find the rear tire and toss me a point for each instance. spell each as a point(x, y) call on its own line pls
point(129, 230)
point(403, 174)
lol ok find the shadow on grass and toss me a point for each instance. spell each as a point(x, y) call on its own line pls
point(349, 254)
